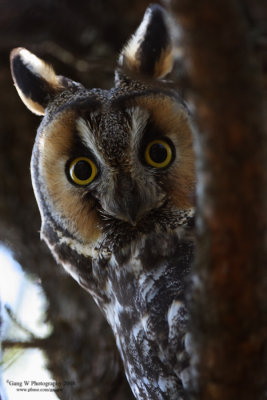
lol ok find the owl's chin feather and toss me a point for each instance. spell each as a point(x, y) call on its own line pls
point(161, 220)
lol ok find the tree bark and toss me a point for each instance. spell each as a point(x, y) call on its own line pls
point(229, 304)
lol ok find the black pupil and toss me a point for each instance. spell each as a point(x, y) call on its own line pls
point(83, 170)
point(158, 153)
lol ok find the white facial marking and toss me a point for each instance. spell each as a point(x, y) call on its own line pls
point(88, 137)
point(139, 121)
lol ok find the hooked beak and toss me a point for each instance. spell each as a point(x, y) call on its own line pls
point(127, 203)
point(128, 209)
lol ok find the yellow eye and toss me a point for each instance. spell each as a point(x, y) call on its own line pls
point(82, 170)
point(158, 154)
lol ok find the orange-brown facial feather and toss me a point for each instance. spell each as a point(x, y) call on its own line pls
point(79, 210)
point(67, 199)
point(171, 118)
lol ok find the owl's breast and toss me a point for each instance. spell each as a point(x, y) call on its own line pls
point(147, 311)
point(141, 288)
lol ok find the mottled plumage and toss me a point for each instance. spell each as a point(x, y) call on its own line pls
point(113, 175)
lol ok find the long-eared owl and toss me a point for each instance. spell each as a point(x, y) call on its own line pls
point(113, 175)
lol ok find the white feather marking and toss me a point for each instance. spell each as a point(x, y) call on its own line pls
point(172, 317)
point(144, 321)
point(173, 310)
point(139, 121)
point(88, 138)
point(137, 329)
point(70, 270)
point(167, 385)
point(38, 66)
point(145, 380)
point(67, 266)
point(134, 43)
point(146, 285)
point(86, 250)
point(112, 311)
point(149, 291)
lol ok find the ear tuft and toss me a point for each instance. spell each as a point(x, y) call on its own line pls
point(149, 51)
point(35, 81)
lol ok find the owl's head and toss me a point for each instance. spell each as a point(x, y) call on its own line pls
point(105, 159)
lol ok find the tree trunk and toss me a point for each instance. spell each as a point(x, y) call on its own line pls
point(225, 84)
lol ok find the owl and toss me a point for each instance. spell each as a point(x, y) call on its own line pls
point(113, 175)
